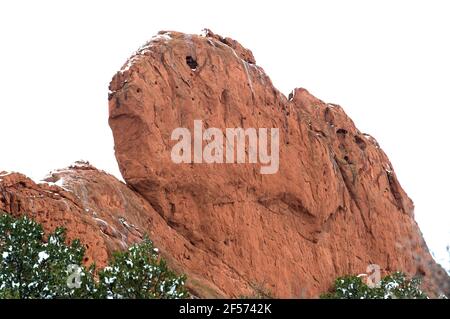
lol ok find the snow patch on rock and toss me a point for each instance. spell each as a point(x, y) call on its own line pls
point(137, 55)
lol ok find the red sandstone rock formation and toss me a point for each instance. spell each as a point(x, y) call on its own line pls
point(334, 207)
point(106, 215)
point(83, 200)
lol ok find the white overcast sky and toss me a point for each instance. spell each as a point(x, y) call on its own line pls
point(386, 62)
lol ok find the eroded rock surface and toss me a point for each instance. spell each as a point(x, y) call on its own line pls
point(334, 207)
point(106, 215)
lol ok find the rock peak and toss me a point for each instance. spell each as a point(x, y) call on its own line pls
point(334, 207)
point(244, 53)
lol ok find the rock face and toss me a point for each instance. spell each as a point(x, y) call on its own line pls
point(334, 207)
point(88, 203)
point(105, 214)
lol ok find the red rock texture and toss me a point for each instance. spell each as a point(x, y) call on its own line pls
point(53, 206)
point(105, 214)
point(334, 207)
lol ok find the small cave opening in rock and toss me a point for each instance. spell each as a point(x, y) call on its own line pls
point(191, 62)
point(360, 142)
point(342, 131)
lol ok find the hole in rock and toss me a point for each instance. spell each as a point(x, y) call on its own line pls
point(191, 62)
point(342, 131)
point(360, 142)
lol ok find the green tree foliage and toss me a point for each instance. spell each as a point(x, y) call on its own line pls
point(140, 273)
point(34, 267)
point(394, 286)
